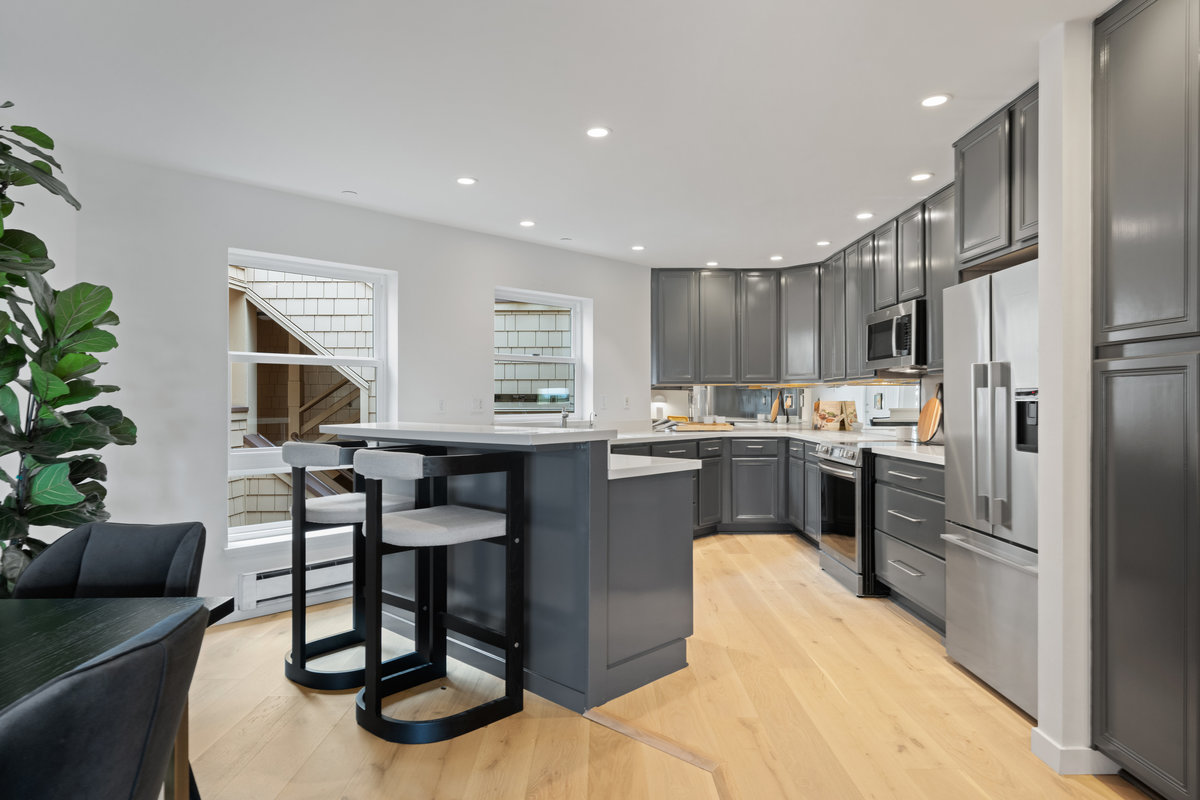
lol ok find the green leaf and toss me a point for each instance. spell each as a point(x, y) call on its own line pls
point(13, 563)
point(45, 385)
point(24, 242)
point(6, 206)
point(88, 468)
point(107, 318)
point(12, 358)
point(106, 415)
point(47, 414)
point(48, 182)
point(13, 524)
point(10, 407)
point(78, 306)
point(80, 391)
point(68, 516)
point(75, 365)
point(66, 438)
point(33, 134)
point(43, 296)
point(89, 340)
point(6, 104)
point(33, 151)
point(51, 486)
point(124, 432)
point(21, 179)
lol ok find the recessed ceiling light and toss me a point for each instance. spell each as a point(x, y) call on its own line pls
point(864, 215)
point(822, 243)
point(638, 247)
point(349, 191)
point(777, 258)
point(936, 100)
point(922, 176)
point(527, 223)
point(711, 264)
point(467, 181)
point(598, 133)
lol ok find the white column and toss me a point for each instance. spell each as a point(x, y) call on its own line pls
point(1063, 736)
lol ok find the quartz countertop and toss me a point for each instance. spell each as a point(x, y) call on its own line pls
point(445, 433)
point(766, 430)
point(621, 466)
point(927, 453)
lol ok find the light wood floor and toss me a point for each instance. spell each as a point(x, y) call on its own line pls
point(795, 689)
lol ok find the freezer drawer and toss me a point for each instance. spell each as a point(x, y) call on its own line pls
point(991, 613)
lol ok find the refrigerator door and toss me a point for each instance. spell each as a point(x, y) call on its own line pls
point(1014, 366)
point(968, 349)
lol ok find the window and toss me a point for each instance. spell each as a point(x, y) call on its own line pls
point(303, 352)
point(539, 355)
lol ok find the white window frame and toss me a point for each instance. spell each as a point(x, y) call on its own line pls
point(581, 354)
point(269, 460)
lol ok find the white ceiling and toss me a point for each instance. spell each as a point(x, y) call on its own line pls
point(740, 129)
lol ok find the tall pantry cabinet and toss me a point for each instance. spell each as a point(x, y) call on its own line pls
point(1146, 393)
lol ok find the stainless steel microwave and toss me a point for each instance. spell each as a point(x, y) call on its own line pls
point(896, 338)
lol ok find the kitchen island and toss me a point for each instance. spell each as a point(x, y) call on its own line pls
point(609, 549)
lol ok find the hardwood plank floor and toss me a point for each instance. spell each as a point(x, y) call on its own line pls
point(795, 689)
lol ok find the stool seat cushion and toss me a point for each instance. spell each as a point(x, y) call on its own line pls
point(441, 525)
point(345, 509)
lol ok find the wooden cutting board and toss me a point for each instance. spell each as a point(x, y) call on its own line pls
point(931, 417)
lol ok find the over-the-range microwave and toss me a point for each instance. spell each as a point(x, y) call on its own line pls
point(896, 338)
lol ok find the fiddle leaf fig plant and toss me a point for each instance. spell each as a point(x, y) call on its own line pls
point(48, 337)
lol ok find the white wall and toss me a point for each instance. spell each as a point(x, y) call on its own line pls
point(160, 237)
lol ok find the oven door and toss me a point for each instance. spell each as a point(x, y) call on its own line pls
point(841, 528)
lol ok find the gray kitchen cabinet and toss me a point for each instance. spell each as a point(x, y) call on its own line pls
point(910, 254)
point(800, 293)
point(1146, 614)
point(812, 498)
point(758, 326)
point(630, 449)
point(708, 492)
point(856, 344)
point(1147, 279)
point(981, 173)
point(941, 269)
point(675, 306)
point(795, 494)
point(833, 318)
point(855, 327)
point(1025, 168)
point(718, 326)
point(754, 489)
point(908, 520)
point(886, 287)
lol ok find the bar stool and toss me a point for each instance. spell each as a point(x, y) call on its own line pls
point(310, 514)
point(430, 530)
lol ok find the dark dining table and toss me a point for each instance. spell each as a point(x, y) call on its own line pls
point(42, 639)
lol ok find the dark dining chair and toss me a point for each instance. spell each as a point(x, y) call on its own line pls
point(113, 559)
point(105, 729)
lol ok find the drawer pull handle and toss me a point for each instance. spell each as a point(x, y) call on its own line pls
point(673, 452)
point(900, 565)
point(906, 476)
point(754, 447)
point(905, 517)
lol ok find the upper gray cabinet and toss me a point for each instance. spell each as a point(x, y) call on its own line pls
point(1025, 168)
point(886, 287)
point(855, 327)
point(856, 359)
point(941, 268)
point(1147, 124)
point(800, 303)
point(833, 318)
point(910, 249)
point(758, 326)
point(718, 326)
point(674, 304)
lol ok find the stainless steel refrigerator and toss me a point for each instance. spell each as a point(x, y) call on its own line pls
point(991, 421)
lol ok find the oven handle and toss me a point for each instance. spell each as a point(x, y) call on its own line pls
point(848, 474)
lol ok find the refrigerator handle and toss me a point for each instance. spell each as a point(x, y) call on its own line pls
point(998, 381)
point(981, 441)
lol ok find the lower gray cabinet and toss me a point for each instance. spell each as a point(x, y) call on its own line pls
point(909, 520)
point(754, 489)
point(795, 493)
point(812, 498)
point(708, 492)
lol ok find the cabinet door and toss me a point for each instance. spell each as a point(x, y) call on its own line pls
point(675, 308)
point(801, 297)
point(981, 173)
point(795, 498)
point(812, 498)
point(1147, 569)
point(855, 351)
point(1025, 168)
point(1147, 129)
point(758, 326)
point(941, 268)
point(866, 290)
point(718, 326)
point(886, 290)
point(708, 496)
point(910, 247)
point(833, 318)
point(755, 484)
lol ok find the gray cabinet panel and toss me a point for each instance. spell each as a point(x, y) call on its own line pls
point(755, 489)
point(941, 268)
point(708, 493)
point(914, 518)
point(981, 173)
point(795, 494)
point(718, 326)
point(630, 449)
point(1147, 118)
point(886, 261)
point(674, 449)
point(912, 573)
point(675, 305)
point(812, 498)
point(915, 475)
point(755, 447)
point(910, 251)
point(758, 326)
point(1147, 569)
point(710, 447)
point(1025, 167)
point(801, 297)
point(833, 318)
point(855, 327)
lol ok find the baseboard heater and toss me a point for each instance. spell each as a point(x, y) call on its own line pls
point(271, 591)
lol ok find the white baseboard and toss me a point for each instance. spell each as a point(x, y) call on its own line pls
point(1070, 760)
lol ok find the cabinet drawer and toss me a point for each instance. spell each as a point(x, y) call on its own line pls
point(810, 450)
point(918, 520)
point(927, 478)
point(755, 447)
point(912, 573)
point(630, 449)
point(710, 448)
point(674, 450)
point(795, 448)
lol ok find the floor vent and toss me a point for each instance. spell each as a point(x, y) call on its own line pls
point(270, 591)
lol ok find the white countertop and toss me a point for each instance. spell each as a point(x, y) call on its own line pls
point(443, 433)
point(620, 466)
point(765, 430)
point(928, 453)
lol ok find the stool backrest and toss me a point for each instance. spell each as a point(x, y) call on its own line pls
point(315, 454)
point(377, 464)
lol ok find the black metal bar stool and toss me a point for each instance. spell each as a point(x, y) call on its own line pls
point(430, 530)
point(310, 514)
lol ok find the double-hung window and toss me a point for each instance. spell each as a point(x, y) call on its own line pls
point(538, 349)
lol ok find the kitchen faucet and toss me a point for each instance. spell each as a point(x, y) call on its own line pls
point(565, 415)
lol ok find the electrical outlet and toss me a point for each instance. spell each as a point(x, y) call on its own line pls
point(441, 405)
point(603, 402)
point(627, 406)
point(477, 405)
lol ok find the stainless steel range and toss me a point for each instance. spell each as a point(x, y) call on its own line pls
point(845, 534)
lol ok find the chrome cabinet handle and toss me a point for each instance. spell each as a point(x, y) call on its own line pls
point(754, 447)
point(673, 452)
point(900, 565)
point(905, 517)
point(906, 476)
